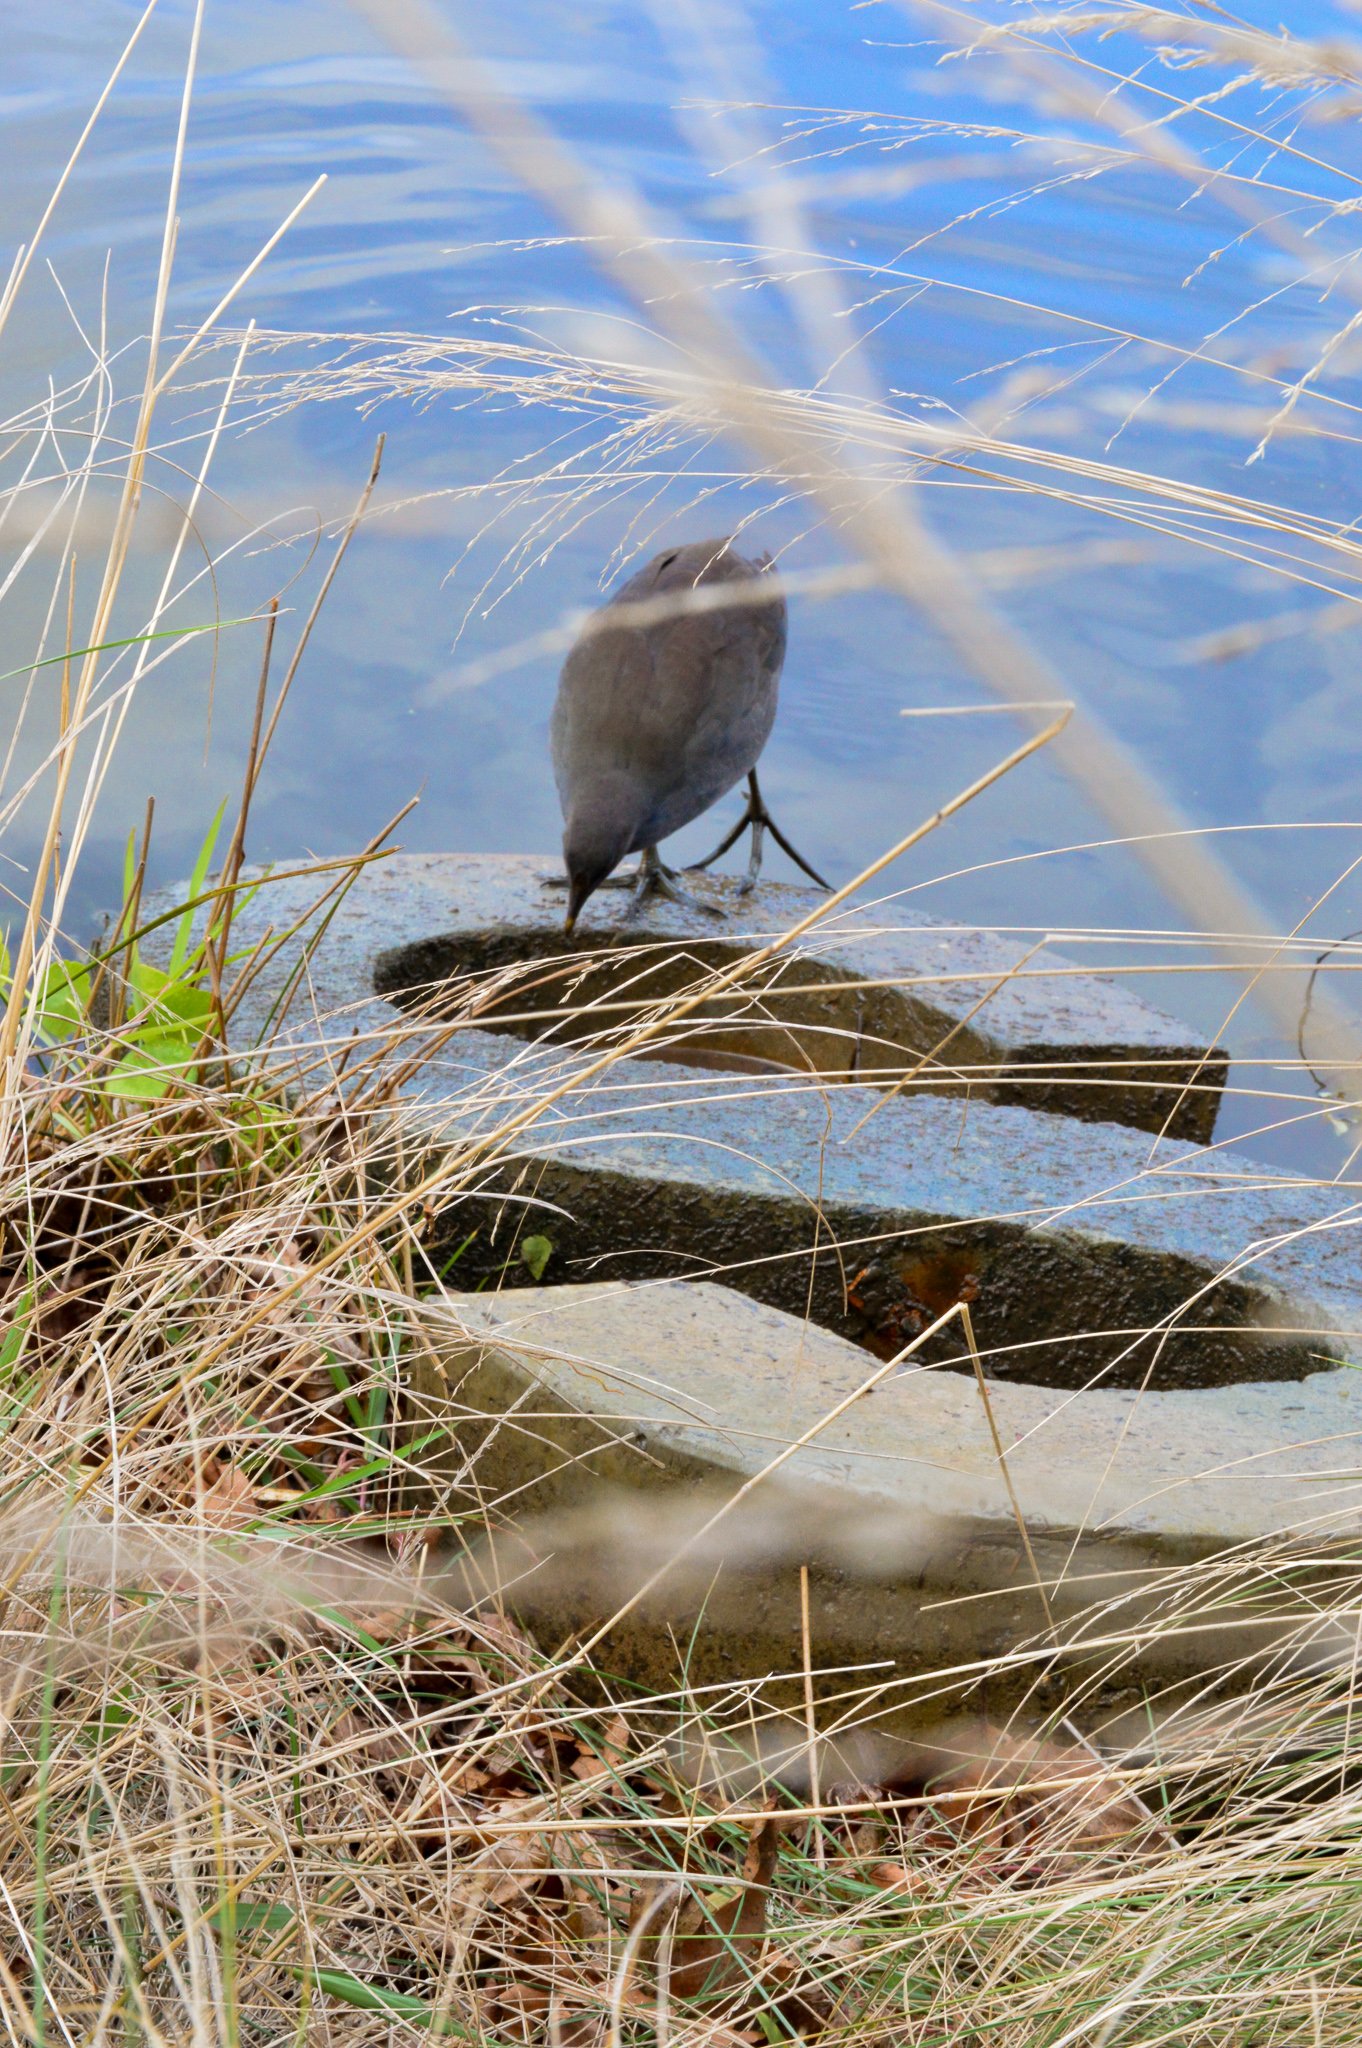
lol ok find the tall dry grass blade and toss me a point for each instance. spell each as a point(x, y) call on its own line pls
point(19, 270)
point(114, 564)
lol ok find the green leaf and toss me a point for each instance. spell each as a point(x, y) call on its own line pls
point(129, 867)
point(536, 1252)
point(179, 952)
point(347, 1481)
point(169, 1001)
point(147, 982)
point(150, 1068)
point(205, 855)
point(243, 898)
point(131, 1082)
point(259, 1118)
point(352, 1991)
point(113, 1715)
point(255, 1916)
point(61, 1004)
point(455, 1255)
point(181, 1005)
point(268, 1130)
point(13, 1341)
point(133, 640)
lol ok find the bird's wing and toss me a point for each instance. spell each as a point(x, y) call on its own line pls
point(723, 667)
point(600, 715)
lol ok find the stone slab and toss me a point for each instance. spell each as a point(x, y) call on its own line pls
point(612, 1422)
point(1094, 1258)
point(875, 993)
point(1085, 1259)
point(1089, 1253)
point(695, 1381)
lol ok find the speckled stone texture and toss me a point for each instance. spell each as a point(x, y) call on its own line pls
point(1089, 1252)
point(618, 1420)
point(872, 993)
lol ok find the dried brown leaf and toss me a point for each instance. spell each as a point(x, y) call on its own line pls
point(895, 1877)
point(1037, 1809)
point(513, 1864)
point(230, 1502)
point(610, 1754)
point(715, 1939)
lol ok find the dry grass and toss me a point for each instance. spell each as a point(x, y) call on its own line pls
point(280, 1763)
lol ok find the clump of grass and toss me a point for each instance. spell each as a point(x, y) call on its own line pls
point(280, 1762)
point(275, 1761)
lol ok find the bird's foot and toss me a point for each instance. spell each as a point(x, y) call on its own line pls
point(759, 818)
point(652, 878)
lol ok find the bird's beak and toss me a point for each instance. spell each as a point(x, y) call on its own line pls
point(578, 891)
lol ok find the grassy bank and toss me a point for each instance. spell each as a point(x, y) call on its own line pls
point(279, 1762)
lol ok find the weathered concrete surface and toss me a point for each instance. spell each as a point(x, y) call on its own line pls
point(1083, 1260)
point(620, 1419)
point(1086, 1251)
point(1091, 1257)
point(874, 994)
point(700, 1382)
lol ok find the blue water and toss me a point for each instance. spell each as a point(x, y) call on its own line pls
point(417, 225)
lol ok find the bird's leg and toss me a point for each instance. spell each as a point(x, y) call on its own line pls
point(655, 879)
point(764, 818)
point(759, 818)
point(695, 867)
point(749, 880)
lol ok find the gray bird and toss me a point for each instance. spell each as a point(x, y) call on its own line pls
point(656, 719)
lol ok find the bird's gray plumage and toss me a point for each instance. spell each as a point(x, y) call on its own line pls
point(655, 721)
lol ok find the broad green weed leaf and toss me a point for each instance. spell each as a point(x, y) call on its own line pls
point(536, 1252)
point(133, 1080)
point(62, 1003)
point(168, 1048)
point(147, 982)
point(167, 999)
point(150, 1068)
point(180, 1004)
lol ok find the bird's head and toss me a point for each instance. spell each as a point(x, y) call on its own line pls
point(694, 563)
point(601, 828)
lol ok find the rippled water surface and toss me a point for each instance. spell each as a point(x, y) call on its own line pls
point(932, 281)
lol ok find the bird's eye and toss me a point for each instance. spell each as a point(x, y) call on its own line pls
point(667, 560)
